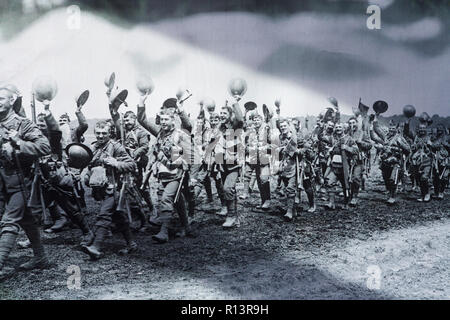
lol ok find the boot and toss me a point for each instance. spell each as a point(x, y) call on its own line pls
point(223, 211)
point(312, 208)
point(94, 250)
point(163, 234)
point(290, 214)
point(331, 204)
point(39, 261)
point(232, 220)
point(311, 202)
point(7, 241)
point(60, 220)
point(391, 199)
point(88, 235)
point(266, 205)
point(131, 245)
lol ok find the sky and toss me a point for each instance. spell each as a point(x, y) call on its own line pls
point(301, 58)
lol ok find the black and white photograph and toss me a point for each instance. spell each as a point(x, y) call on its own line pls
point(237, 151)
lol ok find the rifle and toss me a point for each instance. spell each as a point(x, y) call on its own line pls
point(123, 201)
point(36, 190)
point(300, 169)
point(345, 169)
point(177, 195)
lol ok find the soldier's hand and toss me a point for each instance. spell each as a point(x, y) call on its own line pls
point(110, 161)
point(236, 98)
point(46, 104)
point(13, 137)
point(7, 149)
point(143, 98)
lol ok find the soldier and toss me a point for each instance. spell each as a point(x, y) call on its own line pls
point(287, 151)
point(306, 157)
point(359, 161)
point(258, 144)
point(206, 139)
point(441, 148)
point(391, 155)
point(22, 143)
point(227, 155)
point(58, 184)
point(169, 149)
point(340, 155)
point(421, 159)
point(136, 142)
point(110, 159)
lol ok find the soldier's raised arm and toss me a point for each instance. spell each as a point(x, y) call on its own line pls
point(82, 125)
point(238, 118)
point(147, 124)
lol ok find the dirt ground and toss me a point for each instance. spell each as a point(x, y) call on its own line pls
point(371, 252)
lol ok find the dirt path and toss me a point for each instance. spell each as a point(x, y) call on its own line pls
point(325, 255)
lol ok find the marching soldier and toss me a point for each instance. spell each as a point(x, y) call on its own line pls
point(203, 172)
point(287, 151)
point(421, 159)
point(22, 143)
point(109, 161)
point(306, 172)
point(441, 148)
point(358, 169)
point(391, 156)
point(136, 142)
point(170, 167)
point(58, 183)
point(340, 155)
point(227, 155)
point(258, 144)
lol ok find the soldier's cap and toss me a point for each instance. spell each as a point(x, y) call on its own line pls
point(169, 103)
point(333, 101)
point(118, 95)
point(352, 118)
point(250, 105)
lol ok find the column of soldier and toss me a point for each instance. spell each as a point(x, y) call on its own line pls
point(44, 163)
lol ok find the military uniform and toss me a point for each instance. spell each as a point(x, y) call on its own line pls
point(107, 193)
point(440, 147)
point(340, 163)
point(171, 153)
point(258, 142)
point(203, 168)
point(391, 157)
point(287, 170)
point(229, 153)
point(361, 160)
point(16, 162)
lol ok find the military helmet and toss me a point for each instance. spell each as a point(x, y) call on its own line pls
point(380, 106)
point(45, 88)
point(409, 111)
point(333, 101)
point(79, 155)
